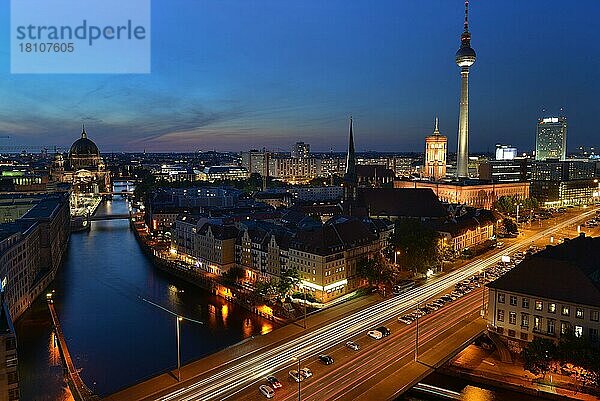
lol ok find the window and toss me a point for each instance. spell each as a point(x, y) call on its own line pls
point(539, 305)
point(525, 303)
point(594, 315)
point(512, 318)
point(593, 334)
point(524, 320)
point(578, 331)
point(564, 327)
point(513, 300)
point(579, 313)
point(551, 329)
point(537, 323)
point(524, 336)
point(511, 333)
point(565, 311)
point(552, 308)
point(501, 298)
point(500, 315)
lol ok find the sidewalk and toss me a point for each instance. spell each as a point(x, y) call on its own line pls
point(483, 366)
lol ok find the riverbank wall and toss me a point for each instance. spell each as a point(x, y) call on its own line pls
point(230, 293)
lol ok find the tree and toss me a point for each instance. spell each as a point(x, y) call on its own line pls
point(288, 279)
point(508, 204)
point(366, 268)
point(418, 245)
point(234, 274)
point(510, 226)
point(538, 356)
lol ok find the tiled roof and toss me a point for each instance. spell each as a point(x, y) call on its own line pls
point(569, 272)
point(402, 202)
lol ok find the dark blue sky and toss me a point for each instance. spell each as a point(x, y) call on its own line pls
point(230, 75)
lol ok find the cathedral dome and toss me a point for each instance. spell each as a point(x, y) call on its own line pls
point(84, 147)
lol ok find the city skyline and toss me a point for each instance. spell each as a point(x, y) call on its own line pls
point(245, 89)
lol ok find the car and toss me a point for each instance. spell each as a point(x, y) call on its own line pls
point(266, 391)
point(306, 372)
point(352, 345)
point(375, 334)
point(296, 376)
point(326, 359)
point(272, 380)
point(406, 319)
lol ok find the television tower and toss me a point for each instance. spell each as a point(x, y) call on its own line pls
point(465, 57)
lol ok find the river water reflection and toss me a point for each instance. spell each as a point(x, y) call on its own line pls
point(114, 336)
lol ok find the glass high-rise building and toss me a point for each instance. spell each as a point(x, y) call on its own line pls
point(551, 138)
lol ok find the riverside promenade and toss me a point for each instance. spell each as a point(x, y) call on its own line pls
point(78, 388)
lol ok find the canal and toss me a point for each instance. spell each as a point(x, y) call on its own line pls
point(114, 337)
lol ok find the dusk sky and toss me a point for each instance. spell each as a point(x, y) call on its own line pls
point(231, 75)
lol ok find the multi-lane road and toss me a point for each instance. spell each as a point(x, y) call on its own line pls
point(353, 372)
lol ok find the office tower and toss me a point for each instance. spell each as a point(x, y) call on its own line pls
point(301, 150)
point(551, 138)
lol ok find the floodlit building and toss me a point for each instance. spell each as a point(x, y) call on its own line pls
point(474, 193)
point(505, 152)
point(551, 138)
point(223, 173)
point(436, 151)
point(83, 168)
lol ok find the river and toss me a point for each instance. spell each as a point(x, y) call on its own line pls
point(115, 337)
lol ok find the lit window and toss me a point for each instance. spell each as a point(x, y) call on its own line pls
point(578, 331)
point(565, 310)
point(539, 305)
point(552, 308)
point(579, 313)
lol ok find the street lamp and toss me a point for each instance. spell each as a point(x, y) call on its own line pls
point(178, 319)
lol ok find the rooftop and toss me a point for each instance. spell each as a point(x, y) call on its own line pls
point(569, 272)
point(402, 202)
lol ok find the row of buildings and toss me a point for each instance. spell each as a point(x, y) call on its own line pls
point(325, 256)
point(34, 233)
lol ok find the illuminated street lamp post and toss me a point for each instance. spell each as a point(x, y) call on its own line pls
point(178, 319)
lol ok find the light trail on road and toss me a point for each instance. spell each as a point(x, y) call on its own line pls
point(255, 366)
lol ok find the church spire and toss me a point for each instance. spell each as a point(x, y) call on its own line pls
point(436, 130)
point(350, 178)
